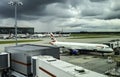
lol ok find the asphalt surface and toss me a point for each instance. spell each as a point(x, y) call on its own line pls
point(95, 63)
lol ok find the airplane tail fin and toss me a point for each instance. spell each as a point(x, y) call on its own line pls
point(52, 38)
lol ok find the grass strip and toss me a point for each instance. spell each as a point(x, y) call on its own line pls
point(82, 36)
point(19, 41)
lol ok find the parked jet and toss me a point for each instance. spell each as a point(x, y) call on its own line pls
point(77, 47)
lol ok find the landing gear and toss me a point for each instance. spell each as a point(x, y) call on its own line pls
point(73, 52)
point(102, 54)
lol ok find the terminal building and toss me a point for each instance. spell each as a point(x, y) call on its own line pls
point(20, 30)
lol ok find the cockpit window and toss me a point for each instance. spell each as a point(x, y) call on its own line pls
point(107, 47)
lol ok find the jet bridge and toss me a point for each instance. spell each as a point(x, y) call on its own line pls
point(20, 56)
point(47, 66)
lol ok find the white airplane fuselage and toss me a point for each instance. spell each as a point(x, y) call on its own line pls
point(84, 46)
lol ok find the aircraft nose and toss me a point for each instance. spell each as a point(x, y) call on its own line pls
point(110, 49)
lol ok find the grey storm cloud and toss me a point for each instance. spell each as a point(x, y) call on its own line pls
point(75, 25)
point(113, 15)
point(30, 7)
point(74, 14)
point(97, 0)
point(91, 12)
point(113, 10)
point(115, 5)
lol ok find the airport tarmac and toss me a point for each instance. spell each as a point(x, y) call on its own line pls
point(92, 62)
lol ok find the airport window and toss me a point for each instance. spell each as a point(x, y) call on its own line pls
point(21, 30)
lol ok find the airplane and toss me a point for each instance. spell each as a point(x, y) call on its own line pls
point(78, 47)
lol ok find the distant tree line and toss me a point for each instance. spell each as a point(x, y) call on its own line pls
point(95, 32)
point(82, 32)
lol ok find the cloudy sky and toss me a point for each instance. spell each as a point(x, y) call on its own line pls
point(66, 15)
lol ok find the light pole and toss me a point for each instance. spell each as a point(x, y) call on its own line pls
point(15, 4)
